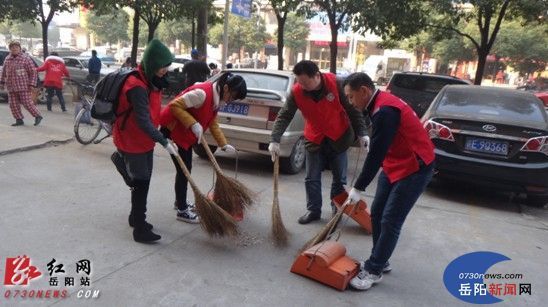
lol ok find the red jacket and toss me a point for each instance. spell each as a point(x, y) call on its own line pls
point(129, 137)
point(55, 71)
point(326, 117)
point(204, 115)
point(411, 140)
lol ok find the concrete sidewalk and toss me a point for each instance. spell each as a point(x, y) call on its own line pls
point(67, 202)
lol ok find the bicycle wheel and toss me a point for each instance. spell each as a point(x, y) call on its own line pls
point(86, 128)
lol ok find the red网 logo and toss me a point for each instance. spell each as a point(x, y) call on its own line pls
point(19, 271)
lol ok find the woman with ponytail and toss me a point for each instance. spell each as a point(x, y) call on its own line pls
point(185, 119)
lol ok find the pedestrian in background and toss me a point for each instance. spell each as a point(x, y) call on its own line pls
point(19, 76)
point(214, 69)
point(331, 126)
point(186, 118)
point(55, 69)
point(94, 68)
point(135, 132)
point(402, 147)
point(127, 64)
point(195, 70)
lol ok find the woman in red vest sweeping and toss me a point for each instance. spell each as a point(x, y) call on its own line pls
point(135, 132)
point(331, 126)
point(402, 147)
point(186, 118)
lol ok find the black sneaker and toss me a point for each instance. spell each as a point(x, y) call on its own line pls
point(37, 120)
point(145, 236)
point(188, 216)
point(189, 205)
point(18, 122)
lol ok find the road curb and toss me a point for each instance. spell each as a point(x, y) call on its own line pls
point(50, 143)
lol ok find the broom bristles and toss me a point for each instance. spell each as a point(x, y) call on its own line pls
point(213, 219)
point(232, 195)
point(279, 232)
point(324, 232)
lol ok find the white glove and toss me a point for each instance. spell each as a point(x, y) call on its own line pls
point(228, 148)
point(171, 149)
point(354, 196)
point(274, 149)
point(198, 131)
point(364, 142)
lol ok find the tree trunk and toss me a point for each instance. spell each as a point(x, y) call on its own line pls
point(201, 31)
point(482, 60)
point(281, 25)
point(193, 36)
point(135, 38)
point(45, 39)
point(333, 49)
point(151, 29)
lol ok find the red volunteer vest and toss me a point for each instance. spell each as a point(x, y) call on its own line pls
point(411, 140)
point(181, 135)
point(326, 117)
point(131, 138)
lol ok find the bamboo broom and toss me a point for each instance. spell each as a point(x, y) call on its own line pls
point(229, 193)
point(279, 232)
point(213, 219)
point(327, 230)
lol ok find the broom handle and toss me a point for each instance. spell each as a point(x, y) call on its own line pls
point(186, 171)
point(210, 155)
point(276, 174)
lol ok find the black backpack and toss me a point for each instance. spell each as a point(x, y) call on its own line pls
point(106, 94)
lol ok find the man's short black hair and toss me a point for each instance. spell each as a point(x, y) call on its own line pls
point(358, 79)
point(93, 52)
point(306, 67)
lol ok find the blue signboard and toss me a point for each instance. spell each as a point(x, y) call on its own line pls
point(241, 8)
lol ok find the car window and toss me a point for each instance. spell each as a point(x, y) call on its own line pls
point(423, 83)
point(180, 61)
point(72, 62)
point(3, 55)
point(265, 81)
point(514, 107)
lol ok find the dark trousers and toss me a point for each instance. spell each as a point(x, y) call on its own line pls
point(392, 204)
point(139, 169)
point(181, 182)
point(57, 92)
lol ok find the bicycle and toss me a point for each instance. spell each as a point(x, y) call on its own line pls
point(87, 128)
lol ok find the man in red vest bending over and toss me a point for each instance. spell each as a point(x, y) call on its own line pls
point(401, 145)
point(331, 126)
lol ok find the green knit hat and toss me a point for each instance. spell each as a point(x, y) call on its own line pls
point(156, 56)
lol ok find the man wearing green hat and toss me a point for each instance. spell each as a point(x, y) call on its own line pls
point(135, 131)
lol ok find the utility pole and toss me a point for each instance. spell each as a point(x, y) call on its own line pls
point(225, 35)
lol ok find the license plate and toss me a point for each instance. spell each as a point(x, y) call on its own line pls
point(235, 108)
point(487, 146)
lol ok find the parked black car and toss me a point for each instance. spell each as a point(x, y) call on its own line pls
point(419, 89)
point(491, 136)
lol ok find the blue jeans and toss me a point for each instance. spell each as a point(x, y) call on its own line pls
point(390, 207)
point(315, 164)
point(59, 93)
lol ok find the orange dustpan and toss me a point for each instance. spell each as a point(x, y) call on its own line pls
point(327, 263)
point(358, 212)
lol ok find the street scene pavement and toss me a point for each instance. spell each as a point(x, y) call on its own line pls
point(65, 201)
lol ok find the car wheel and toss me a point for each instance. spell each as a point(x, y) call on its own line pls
point(4, 98)
point(537, 201)
point(295, 162)
point(200, 151)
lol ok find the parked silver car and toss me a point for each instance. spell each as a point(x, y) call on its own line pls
point(247, 124)
point(78, 68)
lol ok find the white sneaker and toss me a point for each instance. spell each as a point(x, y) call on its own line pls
point(190, 206)
point(188, 216)
point(364, 280)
